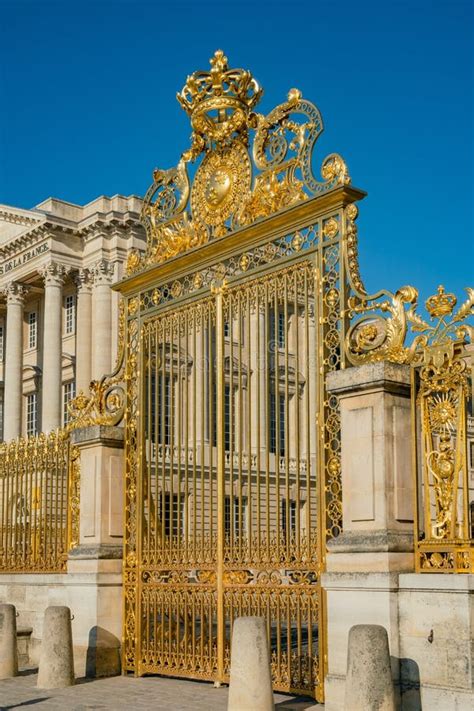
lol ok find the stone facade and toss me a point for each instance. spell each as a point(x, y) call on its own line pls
point(59, 317)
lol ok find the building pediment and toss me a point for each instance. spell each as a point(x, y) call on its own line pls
point(15, 222)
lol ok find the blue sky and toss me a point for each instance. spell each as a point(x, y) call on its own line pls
point(87, 107)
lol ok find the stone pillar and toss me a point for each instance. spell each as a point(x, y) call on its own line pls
point(197, 409)
point(8, 642)
point(56, 665)
point(376, 546)
point(436, 621)
point(369, 682)
point(83, 282)
point(250, 685)
point(51, 411)
point(13, 400)
point(102, 308)
point(101, 495)
point(258, 381)
point(115, 301)
point(96, 563)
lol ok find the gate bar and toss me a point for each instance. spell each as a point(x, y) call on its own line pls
point(220, 482)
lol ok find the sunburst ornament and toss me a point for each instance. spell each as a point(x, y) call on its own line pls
point(443, 411)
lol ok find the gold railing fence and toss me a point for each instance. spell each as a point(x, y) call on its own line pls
point(39, 503)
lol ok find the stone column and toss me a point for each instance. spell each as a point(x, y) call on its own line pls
point(258, 353)
point(115, 301)
point(13, 400)
point(102, 309)
point(95, 565)
point(196, 410)
point(364, 564)
point(51, 412)
point(83, 282)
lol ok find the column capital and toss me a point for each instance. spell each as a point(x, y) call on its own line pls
point(53, 274)
point(83, 280)
point(103, 272)
point(15, 293)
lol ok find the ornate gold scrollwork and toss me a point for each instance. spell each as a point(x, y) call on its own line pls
point(277, 134)
point(105, 403)
point(221, 105)
point(382, 319)
point(442, 395)
point(104, 406)
point(375, 337)
point(168, 195)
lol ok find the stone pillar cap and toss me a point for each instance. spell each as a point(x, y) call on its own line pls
point(384, 375)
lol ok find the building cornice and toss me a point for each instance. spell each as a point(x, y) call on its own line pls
point(25, 240)
point(19, 217)
point(100, 225)
point(50, 230)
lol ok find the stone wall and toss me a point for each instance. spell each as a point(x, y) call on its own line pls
point(92, 596)
point(436, 641)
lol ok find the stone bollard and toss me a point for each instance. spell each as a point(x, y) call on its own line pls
point(250, 686)
point(56, 665)
point(8, 643)
point(369, 685)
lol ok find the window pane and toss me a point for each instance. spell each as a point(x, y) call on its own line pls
point(69, 394)
point(31, 415)
point(70, 309)
point(32, 329)
point(277, 424)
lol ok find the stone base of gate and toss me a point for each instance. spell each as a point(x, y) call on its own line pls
point(436, 632)
point(353, 599)
point(430, 623)
point(92, 589)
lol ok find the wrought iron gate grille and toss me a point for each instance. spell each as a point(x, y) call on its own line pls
point(225, 392)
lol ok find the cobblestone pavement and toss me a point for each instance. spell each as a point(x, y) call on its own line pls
point(126, 693)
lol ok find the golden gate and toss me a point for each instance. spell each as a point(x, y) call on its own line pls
point(233, 317)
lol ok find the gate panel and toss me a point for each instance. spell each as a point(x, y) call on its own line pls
point(228, 478)
point(270, 441)
point(178, 494)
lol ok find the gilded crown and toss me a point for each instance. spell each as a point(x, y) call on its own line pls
point(440, 304)
point(219, 102)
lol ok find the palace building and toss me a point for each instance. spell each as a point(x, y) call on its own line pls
point(58, 315)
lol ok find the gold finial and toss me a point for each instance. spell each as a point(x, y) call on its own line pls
point(440, 304)
point(218, 62)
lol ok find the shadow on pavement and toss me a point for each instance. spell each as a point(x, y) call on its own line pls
point(24, 703)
